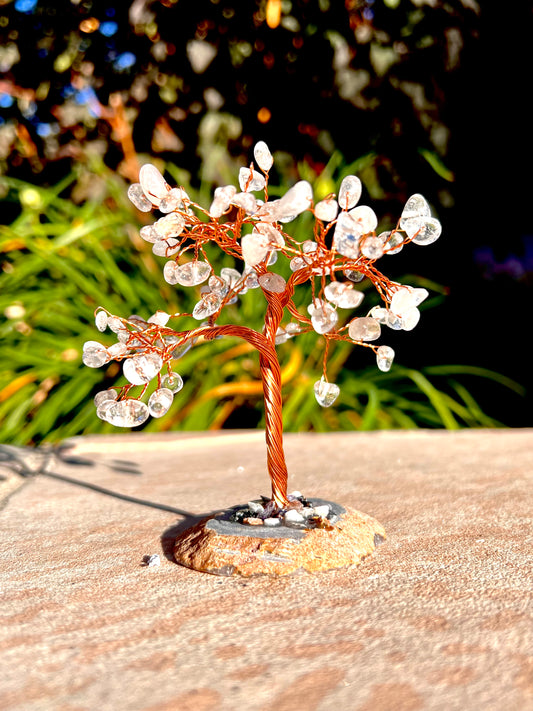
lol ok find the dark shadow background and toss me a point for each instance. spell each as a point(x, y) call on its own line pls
point(434, 94)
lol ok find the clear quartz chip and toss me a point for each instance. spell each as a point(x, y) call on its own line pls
point(250, 180)
point(263, 156)
point(323, 316)
point(170, 225)
point(384, 358)
point(105, 396)
point(190, 273)
point(392, 242)
point(354, 275)
point(372, 248)
point(94, 354)
point(270, 281)
point(222, 200)
point(149, 234)
point(346, 237)
point(343, 295)
point(153, 184)
point(138, 198)
point(416, 206)
point(364, 329)
point(160, 401)
point(410, 319)
point(350, 192)
point(172, 381)
point(100, 320)
point(365, 217)
point(254, 248)
point(140, 369)
point(326, 393)
point(208, 305)
point(127, 413)
point(406, 297)
point(428, 232)
point(160, 318)
point(166, 247)
point(246, 201)
point(326, 210)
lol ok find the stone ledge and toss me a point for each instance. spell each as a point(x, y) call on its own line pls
point(439, 617)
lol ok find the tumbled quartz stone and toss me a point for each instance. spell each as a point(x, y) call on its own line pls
point(160, 318)
point(365, 217)
point(343, 295)
point(326, 393)
point(372, 248)
point(94, 354)
point(172, 381)
point(191, 273)
point(364, 329)
point(105, 396)
point(246, 201)
point(349, 192)
point(297, 199)
point(140, 369)
point(100, 320)
point(297, 263)
point(207, 306)
point(222, 200)
point(410, 319)
point(117, 350)
point(263, 156)
point(250, 180)
point(428, 232)
point(406, 298)
point(354, 275)
point(102, 408)
point(160, 401)
point(166, 247)
point(149, 234)
point(169, 226)
point(254, 248)
point(138, 198)
point(272, 282)
point(380, 314)
point(173, 200)
point(323, 316)
point(346, 236)
point(384, 358)
point(153, 184)
point(392, 242)
point(326, 210)
point(416, 206)
point(127, 413)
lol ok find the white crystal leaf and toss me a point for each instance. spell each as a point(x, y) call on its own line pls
point(349, 192)
point(153, 184)
point(272, 282)
point(263, 156)
point(149, 234)
point(326, 210)
point(365, 217)
point(250, 180)
point(127, 413)
point(166, 247)
point(94, 354)
point(409, 319)
point(343, 295)
point(323, 316)
point(207, 306)
point(429, 231)
point(364, 329)
point(222, 200)
point(140, 369)
point(406, 298)
point(326, 393)
point(160, 318)
point(172, 381)
point(169, 226)
point(100, 320)
point(384, 358)
point(105, 396)
point(254, 248)
point(160, 401)
point(372, 248)
point(246, 201)
point(416, 206)
point(347, 235)
point(192, 273)
point(138, 198)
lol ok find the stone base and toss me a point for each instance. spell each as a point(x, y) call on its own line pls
point(221, 547)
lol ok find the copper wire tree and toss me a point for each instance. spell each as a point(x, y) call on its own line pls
point(343, 250)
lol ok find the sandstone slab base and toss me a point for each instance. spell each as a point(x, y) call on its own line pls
point(212, 546)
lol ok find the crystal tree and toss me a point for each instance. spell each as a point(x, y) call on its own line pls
point(344, 249)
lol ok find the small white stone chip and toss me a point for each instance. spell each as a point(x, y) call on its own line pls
point(152, 560)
